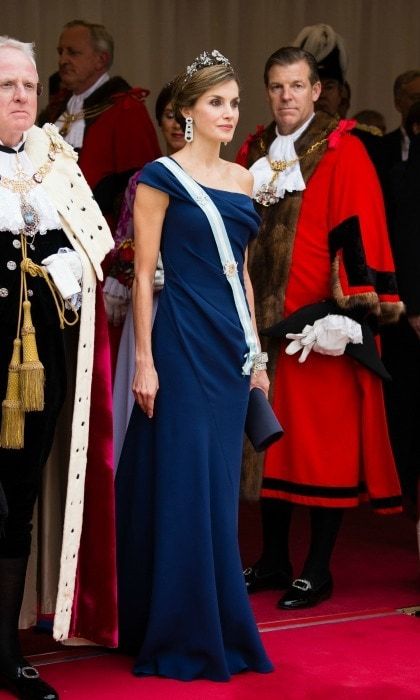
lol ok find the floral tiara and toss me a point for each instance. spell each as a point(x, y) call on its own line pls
point(204, 60)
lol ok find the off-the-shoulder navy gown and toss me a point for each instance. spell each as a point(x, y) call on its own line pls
point(184, 609)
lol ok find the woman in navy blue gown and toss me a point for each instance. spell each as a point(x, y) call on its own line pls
point(184, 610)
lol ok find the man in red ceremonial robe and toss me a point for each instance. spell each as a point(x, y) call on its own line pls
point(322, 263)
point(105, 120)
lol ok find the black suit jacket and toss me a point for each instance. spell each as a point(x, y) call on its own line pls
point(404, 225)
point(391, 144)
point(43, 307)
point(374, 147)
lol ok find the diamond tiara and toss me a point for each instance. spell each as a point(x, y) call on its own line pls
point(204, 60)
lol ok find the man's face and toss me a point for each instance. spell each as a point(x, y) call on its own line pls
point(416, 128)
point(291, 96)
point(330, 97)
point(410, 93)
point(79, 64)
point(18, 95)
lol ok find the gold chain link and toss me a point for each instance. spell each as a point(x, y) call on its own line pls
point(26, 183)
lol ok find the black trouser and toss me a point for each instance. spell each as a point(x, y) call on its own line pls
point(401, 356)
point(276, 519)
point(21, 470)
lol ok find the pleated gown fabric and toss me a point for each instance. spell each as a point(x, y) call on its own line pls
point(184, 609)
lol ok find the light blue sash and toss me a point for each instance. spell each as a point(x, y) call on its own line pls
point(224, 248)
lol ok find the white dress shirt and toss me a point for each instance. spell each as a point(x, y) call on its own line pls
point(76, 130)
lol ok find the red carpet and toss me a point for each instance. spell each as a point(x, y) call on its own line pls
point(355, 646)
point(375, 659)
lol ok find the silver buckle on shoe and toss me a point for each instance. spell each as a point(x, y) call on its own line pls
point(303, 584)
point(29, 672)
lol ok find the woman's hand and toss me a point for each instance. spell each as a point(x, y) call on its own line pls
point(260, 379)
point(145, 388)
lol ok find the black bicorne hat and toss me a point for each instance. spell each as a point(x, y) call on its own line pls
point(328, 49)
point(329, 68)
point(366, 353)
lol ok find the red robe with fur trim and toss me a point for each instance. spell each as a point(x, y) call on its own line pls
point(336, 450)
point(118, 140)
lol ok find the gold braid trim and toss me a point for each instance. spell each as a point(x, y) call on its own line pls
point(369, 128)
point(28, 266)
point(12, 414)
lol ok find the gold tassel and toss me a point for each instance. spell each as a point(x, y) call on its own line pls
point(32, 376)
point(13, 417)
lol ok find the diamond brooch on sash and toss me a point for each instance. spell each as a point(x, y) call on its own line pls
point(230, 267)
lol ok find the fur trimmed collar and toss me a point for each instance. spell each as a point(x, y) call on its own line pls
point(270, 256)
point(104, 96)
point(271, 253)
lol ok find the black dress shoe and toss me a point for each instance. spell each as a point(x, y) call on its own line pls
point(275, 580)
point(301, 594)
point(27, 685)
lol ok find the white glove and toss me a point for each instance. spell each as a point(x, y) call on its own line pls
point(328, 336)
point(65, 268)
point(116, 300)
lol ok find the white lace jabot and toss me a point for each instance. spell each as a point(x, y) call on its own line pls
point(76, 130)
point(282, 148)
point(10, 209)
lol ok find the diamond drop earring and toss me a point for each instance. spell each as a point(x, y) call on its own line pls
point(189, 133)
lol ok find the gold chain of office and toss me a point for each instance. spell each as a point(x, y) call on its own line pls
point(88, 113)
point(267, 195)
point(24, 183)
point(279, 166)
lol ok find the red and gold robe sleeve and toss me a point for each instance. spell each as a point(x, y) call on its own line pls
point(362, 268)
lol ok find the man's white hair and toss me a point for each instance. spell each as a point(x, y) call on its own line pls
point(6, 42)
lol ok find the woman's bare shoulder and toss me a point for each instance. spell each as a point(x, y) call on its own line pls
point(242, 177)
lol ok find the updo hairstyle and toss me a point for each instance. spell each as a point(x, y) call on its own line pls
point(187, 89)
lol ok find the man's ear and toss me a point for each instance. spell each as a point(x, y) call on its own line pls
point(102, 60)
point(316, 90)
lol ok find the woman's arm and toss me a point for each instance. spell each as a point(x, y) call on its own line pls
point(259, 378)
point(149, 212)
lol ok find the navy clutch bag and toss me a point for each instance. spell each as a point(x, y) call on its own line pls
point(261, 425)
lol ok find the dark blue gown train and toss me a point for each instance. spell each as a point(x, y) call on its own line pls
point(184, 609)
